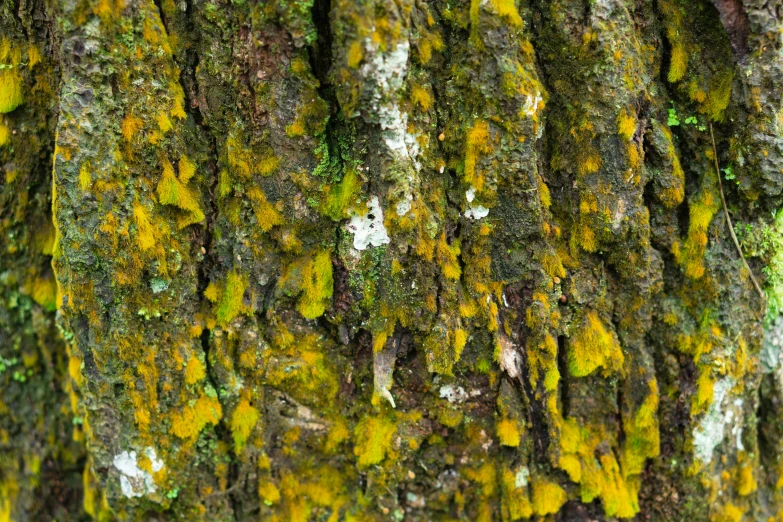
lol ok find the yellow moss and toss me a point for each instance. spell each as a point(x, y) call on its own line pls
point(130, 126)
point(642, 437)
point(746, 482)
point(178, 102)
point(355, 54)
point(243, 421)
point(705, 391)
point(460, 339)
point(145, 233)
point(421, 97)
point(44, 292)
point(548, 497)
point(508, 432)
point(448, 258)
point(590, 163)
point(33, 56)
point(190, 420)
point(476, 143)
point(543, 193)
point(231, 300)
point(268, 491)
point(450, 417)
point(593, 347)
point(295, 129)
point(373, 437)
point(267, 215)
point(515, 501)
point(172, 191)
point(719, 94)
point(194, 371)
point(317, 286)
point(626, 125)
point(728, 513)
point(507, 10)
point(164, 123)
point(678, 64)
point(187, 169)
point(268, 165)
point(5, 134)
point(429, 41)
point(211, 292)
point(11, 94)
point(551, 264)
point(85, 179)
point(94, 503)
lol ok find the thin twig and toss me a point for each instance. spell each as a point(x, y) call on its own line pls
point(728, 219)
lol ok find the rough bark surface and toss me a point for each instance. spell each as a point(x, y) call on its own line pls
point(390, 259)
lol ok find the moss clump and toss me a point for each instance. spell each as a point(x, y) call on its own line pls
point(373, 437)
point(243, 420)
point(315, 283)
point(44, 292)
point(194, 371)
point(10, 90)
point(626, 125)
point(548, 498)
point(341, 196)
point(267, 214)
point(5, 134)
point(476, 144)
point(130, 126)
point(702, 208)
point(508, 432)
point(145, 233)
point(173, 191)
point(191, 419)
point(232, 298)
point(593, 347)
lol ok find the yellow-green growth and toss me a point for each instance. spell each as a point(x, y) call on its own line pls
point(341, 195)
point(421, 97)
point(11, 95)
point(702, 209)
point(85, 178)
point(719, 94)
point(593, 347)
point(231, 301)
point(642, 438)
point(626, 124)
point(508, 12)
point(268, 165)
point(5, 134)
point(173, 191)
point(130, 126)
point(317, 286)
point(243, 421)
point(508, 432)
point(187, 169)
point(194, 371)
point(476, 143)
point(267, 214)
point(548, 498)
point(44, 292)
point(145, 233)
point(191, 419)
point(373, 437)
point(678, 64)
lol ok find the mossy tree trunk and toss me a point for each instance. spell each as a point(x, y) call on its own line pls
point(390, 259)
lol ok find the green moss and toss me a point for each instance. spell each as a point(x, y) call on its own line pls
point(231, 300)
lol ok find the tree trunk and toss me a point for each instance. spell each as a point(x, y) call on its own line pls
point(392, 259)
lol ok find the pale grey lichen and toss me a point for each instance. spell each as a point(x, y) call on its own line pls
point(134, 481)
point(368, 230)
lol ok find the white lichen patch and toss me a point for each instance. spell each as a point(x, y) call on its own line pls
point(134, 481)
point(722, 414)
point(521, 478)
point(453, 394)
point(368, 230)
point(404, 206)
point(383, 373)
point(509, 359)
point(531, 104)
point(474, 211)
point(385, 72)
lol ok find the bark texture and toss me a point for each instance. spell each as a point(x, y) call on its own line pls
point(390, 259)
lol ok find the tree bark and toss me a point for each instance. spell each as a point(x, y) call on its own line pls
point(391, 259)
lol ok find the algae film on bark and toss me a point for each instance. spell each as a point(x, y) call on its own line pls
point(371, 260)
